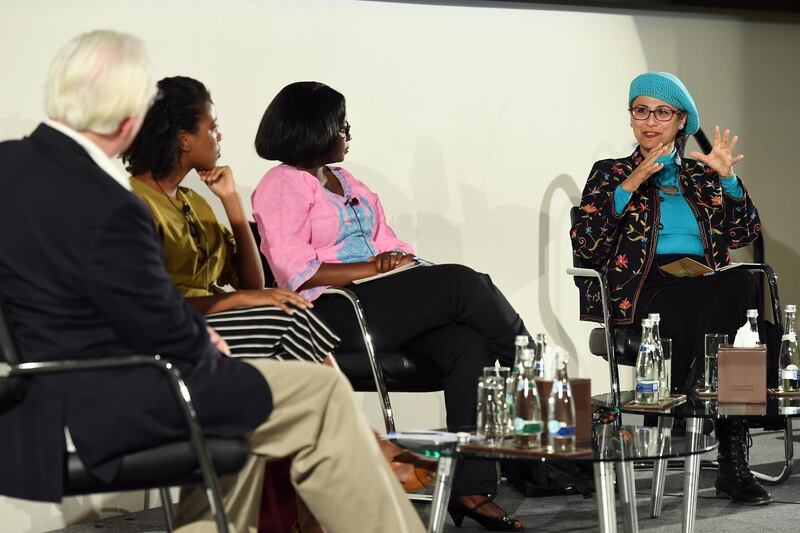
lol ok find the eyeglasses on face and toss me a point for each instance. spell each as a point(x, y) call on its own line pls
point(662, 114)
point(345, 130)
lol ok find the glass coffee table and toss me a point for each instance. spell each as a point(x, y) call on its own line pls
point(612, 447)
point(695, 409)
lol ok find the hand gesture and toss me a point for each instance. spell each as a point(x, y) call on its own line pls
point(721, 158)
point(386, 261)
point(646, 168)
point(218, 342)
point(219, 180)
point(281, 298)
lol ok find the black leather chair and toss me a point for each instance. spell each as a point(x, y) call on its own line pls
point(197, 460)
point(369, 371)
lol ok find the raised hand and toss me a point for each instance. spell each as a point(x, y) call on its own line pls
point(721, 158)
point(219, 180)
point(646, 168)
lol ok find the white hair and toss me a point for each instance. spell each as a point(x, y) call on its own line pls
point(97, 80)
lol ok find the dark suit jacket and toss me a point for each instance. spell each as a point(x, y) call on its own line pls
point(81, 275)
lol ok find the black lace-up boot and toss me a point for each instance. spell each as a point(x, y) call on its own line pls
point(734, 479)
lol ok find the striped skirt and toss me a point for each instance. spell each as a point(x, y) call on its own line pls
point(269, 332)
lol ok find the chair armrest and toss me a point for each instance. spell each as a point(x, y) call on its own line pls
point(584, 273)
point(377, 371)
point(772, 282)
point(173, 374)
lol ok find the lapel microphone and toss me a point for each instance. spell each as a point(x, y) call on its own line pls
point(351, 201)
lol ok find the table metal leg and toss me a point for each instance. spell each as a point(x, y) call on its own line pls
point(441, 494)
point(627, 493)
point(691, 474)
point(604, 492)
point(788, 463)
point(660, 466)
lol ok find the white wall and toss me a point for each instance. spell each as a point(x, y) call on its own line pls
point(477, 125)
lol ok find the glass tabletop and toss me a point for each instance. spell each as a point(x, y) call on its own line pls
point(695, 406)
point(610, 444)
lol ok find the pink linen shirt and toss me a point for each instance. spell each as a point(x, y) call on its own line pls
point(302, 225)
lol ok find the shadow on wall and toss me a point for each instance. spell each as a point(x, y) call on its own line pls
point(550, 320)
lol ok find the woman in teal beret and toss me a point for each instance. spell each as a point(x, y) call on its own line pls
point(647, 210)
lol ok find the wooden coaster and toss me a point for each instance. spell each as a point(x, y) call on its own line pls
point(672, 401)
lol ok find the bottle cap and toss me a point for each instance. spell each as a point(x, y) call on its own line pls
point(655, 317)
point(751, 313)
point(521, 340)
point(790, 308)
point(527, 354)
point(647, 322)
point(541, 337)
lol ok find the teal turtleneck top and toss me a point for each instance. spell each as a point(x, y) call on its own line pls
point(678, 232)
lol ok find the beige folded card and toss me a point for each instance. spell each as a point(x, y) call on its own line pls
point(686, 267)
point(742, 375)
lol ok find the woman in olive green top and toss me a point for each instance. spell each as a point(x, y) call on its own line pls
point(179, 134)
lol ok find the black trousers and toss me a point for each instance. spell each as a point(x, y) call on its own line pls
point(692, 307)
point(450, 313)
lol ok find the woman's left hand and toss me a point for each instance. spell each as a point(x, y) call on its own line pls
point(721, 158)
point(219, 180)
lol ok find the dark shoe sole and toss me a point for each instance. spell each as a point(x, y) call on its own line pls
point(725, 496)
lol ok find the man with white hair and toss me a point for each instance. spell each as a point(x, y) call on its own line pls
point(82, 276)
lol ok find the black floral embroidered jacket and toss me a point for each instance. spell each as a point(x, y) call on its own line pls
point(623, 246)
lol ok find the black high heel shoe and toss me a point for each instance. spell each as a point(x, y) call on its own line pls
point(458, 510)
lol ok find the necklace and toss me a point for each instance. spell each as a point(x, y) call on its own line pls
point(670, 190)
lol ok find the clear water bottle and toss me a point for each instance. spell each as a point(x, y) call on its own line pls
point(752, 319)
point(663, 390)
point(538, 358)
point(561, 411)
point(789, 360)
point(527, 412)
point(521, 343)
point(647, 378)
point(540, 348)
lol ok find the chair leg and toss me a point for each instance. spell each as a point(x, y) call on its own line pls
point(166, 504)
point(788, 462)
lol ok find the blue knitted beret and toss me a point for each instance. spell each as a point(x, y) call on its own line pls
point(669, 88)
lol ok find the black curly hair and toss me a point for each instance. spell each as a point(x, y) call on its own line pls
point(178, 105)
point(301, 125)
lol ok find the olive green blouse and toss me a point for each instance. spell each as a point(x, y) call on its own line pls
point(198, 250)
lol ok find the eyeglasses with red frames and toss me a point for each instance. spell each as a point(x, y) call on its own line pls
point(662, 114)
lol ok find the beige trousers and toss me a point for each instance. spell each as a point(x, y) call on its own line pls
point(337, 468)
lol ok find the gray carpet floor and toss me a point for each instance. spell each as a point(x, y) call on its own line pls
point(574, 513)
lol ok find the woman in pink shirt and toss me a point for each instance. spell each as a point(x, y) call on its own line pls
point(322, 227)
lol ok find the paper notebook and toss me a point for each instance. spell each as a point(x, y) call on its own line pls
point(390, 273)
point(686, 267)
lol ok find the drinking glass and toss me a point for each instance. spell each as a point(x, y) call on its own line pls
point(713, 342)
point(666, 349)
point(491, 409)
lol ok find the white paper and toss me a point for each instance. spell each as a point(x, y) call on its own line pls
point(745, 338)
